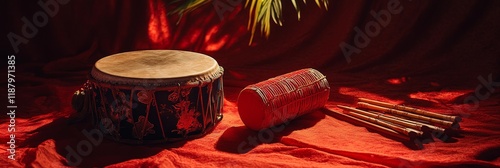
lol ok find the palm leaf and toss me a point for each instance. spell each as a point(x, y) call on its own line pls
point(297, 8)
point(185, 6)
point(260, 12)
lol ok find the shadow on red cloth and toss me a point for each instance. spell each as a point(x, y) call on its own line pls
point(105, 152)
point(242, 140)
point(490, 154)
point(462, 165)
point(410, 144)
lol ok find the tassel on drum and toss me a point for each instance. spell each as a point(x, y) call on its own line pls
point(282, 98)
point(82, 102)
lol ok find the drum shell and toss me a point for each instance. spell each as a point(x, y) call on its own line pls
point(283, 98)
point(166, 112)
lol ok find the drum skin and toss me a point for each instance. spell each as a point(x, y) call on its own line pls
point(152, 99)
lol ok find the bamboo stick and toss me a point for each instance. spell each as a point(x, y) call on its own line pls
point(431, 127)
point(413, 110)
point(405, 114)
point(395, 120)
point(376, 127)
point(403, 130)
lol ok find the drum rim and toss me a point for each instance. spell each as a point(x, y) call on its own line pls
point(193, 80)
point(190, 82)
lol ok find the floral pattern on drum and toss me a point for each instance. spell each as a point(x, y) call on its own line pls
point(121, 109)
point(187, 120)
point(147, 115)
point(142, 127)
point(186, 114)
point(145, 97)
point(173, 97)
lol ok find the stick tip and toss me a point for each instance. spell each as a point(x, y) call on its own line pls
point(343, 107)
point(362, 104)
point(452, 132)
point(414, 144)
point(338, 105)
point(413, 135)
point(455, 125)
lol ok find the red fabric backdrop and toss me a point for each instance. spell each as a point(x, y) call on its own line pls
point(430, 54)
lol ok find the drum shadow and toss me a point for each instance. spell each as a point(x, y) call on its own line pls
point(81, 150)
point(240, 139)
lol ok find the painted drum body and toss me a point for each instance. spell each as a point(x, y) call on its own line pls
point(155, 96)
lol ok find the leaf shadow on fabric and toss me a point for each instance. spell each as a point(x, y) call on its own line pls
point(240, 139)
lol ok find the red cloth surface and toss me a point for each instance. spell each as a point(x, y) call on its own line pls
point(433, 54)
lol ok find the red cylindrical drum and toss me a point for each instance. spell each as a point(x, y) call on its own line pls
point(282, 98)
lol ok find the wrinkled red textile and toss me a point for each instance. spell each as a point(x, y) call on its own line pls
point(435, 55)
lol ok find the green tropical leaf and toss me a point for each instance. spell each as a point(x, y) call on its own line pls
point(260, 12)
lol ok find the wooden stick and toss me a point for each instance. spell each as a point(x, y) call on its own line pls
point(413, 110)
point(403, 130)
point(431, 127)
point(395, 120)
point(405, 114)
point(379, 128)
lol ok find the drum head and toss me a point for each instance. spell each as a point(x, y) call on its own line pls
point(168, 66)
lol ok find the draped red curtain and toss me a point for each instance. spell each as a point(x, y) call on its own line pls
point(432, 54)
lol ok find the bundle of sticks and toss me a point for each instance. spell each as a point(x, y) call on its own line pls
point(411, 124)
